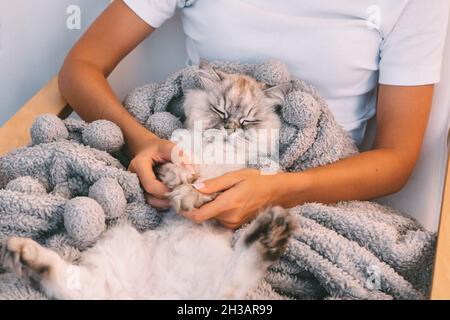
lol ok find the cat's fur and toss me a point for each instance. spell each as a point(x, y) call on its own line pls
point(239, 106)
point(180, 259)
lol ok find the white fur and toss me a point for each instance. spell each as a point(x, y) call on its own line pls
point(179, 260)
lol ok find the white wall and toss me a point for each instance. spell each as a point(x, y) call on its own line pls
point(163, 53)
point(34, 40)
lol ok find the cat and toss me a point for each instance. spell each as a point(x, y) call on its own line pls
point(180, 259)
point(227, 107)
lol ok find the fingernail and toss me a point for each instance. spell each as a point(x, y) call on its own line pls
point(199, 185)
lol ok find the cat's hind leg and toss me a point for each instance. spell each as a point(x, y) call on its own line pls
point(261, 244)
point(43, 267)
point(269, 233)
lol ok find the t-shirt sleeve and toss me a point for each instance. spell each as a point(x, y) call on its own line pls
point(412, 53)
point(153, 12)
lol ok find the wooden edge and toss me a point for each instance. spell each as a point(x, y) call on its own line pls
point(15, 132)
point(440, 289)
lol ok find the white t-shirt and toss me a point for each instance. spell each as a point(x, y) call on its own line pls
point(345, 48)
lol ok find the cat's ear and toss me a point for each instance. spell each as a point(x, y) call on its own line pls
point(208, 75)
point(278, 93)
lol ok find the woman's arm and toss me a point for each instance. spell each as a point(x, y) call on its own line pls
point(402, 118)
point(82, 81)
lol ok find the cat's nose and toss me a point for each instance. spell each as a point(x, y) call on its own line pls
point(230, 131)
point(232, 126)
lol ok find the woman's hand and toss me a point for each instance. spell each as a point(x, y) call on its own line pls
point(149, 152)
point(245, 193)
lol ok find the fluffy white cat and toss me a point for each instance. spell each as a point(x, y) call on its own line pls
point(179, 259)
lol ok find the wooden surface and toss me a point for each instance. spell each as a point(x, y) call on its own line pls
point(441, 276)
point(15, 132)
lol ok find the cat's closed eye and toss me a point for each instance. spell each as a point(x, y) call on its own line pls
point(220, 113)
point(244, 122)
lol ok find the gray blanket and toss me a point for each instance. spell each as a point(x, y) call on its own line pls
point(59, 191)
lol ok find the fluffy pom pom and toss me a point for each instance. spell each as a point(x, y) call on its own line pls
point(48, 128)
point(272, 72)
point(163, 124)
point(109, 194)
point(142, 216)
point(26, 185)
point(103, 135)
point(84, 220)
point(138, 101)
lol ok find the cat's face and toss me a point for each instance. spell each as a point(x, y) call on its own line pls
point(233, 102)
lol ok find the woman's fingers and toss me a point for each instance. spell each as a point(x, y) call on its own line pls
point(157, 203)
point(159, 151)
point(178, 156)
point(233, 220)
point(148, 179)
point(228, 218)
point(170, 152)
point(208, 211)
point(199, 217)
point(218, 184)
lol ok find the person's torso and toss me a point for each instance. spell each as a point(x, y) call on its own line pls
point(333, 45)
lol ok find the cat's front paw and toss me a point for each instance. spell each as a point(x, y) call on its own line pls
point(186, 198)
point(173, 175)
